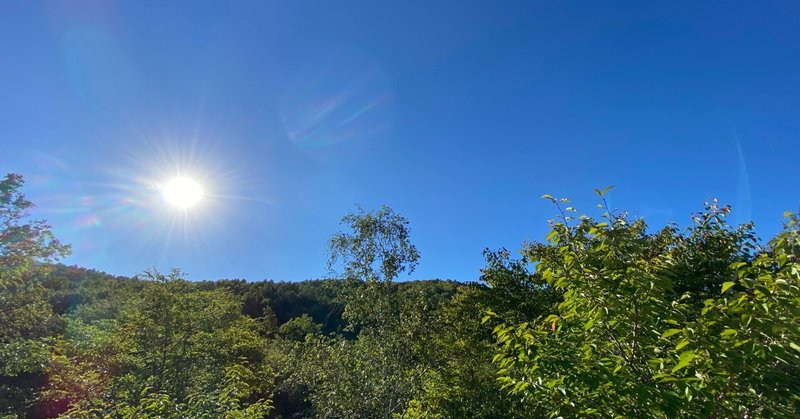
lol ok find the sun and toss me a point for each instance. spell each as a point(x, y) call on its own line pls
point(182, 192)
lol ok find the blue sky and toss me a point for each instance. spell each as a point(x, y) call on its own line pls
point(459, 115)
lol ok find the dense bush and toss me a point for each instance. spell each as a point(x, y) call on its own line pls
point(701, 322)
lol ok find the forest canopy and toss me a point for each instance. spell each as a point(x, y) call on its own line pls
point(605, 317)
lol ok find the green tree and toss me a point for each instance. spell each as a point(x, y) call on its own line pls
point(172, 345)
point(377, 248)
point(459, 376)
point(739, 353)
point(24, 243)
point(27, 322)
point(373, 252)
point(372, 376)
point(460, 382)
point(376, 374)
point(657, 324)
point(299, 327)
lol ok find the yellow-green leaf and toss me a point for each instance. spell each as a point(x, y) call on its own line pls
point(684, 360)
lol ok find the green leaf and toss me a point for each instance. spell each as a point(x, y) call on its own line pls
point(727, 285)
point(684, 360)
point(737, 265)
point(794, 346)
point(520, 386)
point(604, 191)
point(670, 332)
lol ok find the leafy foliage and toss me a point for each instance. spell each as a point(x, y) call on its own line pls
point(459, 377)
point(191, 351)
point(23, 242)
point(605, 318)
point(378, 372)
point(663, 324)
point(27, 322)
point(378, 247)
point(299, 327)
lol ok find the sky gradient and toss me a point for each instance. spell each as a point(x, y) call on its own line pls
point(459, 115)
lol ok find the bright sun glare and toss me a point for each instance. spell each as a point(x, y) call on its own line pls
point(182, 192)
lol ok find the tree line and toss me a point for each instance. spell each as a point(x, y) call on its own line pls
point(606, 317)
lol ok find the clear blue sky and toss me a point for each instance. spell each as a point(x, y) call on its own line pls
point(459, 115)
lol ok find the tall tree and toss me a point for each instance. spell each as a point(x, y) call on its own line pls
point(27, 321)
point(23, 242)
point(376, 374)
point(376, 249)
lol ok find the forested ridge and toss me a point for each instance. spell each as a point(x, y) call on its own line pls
point(605, 317)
